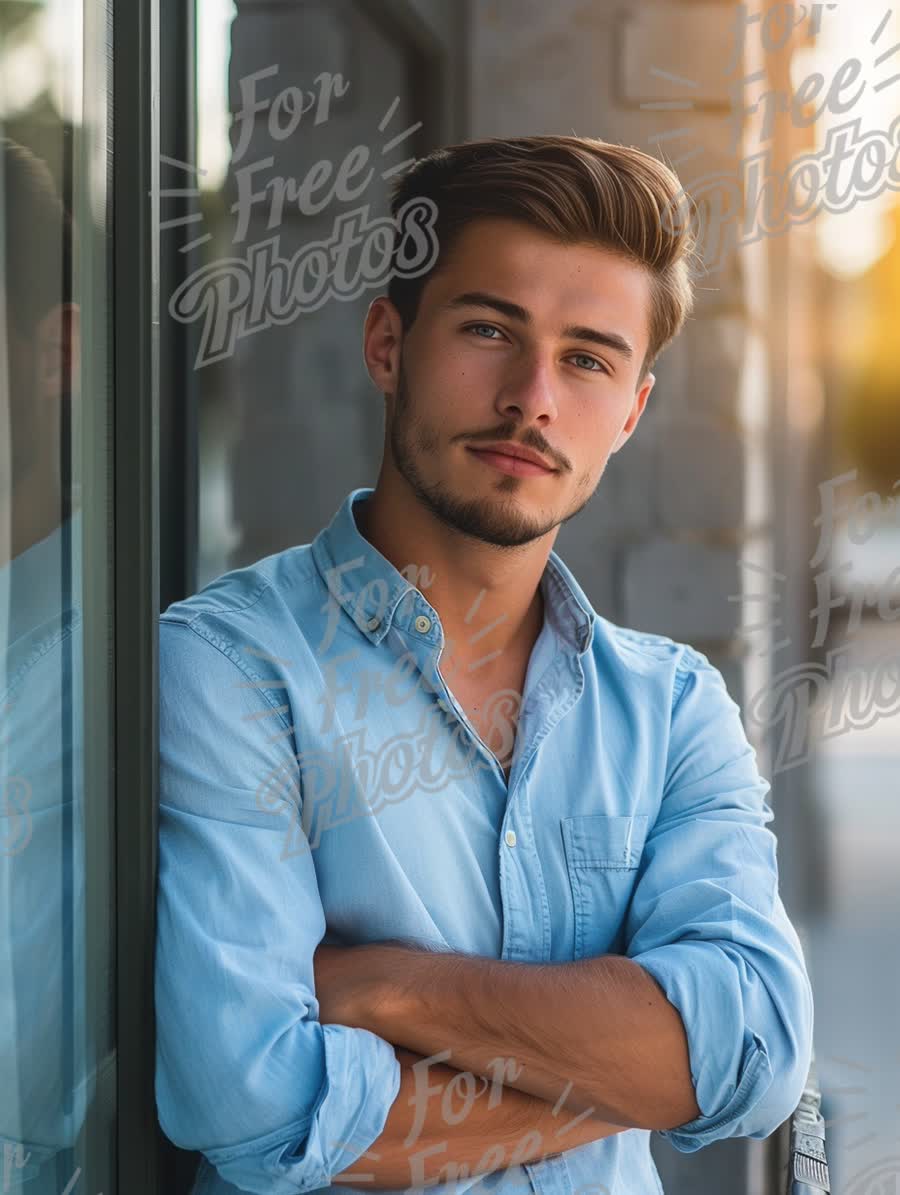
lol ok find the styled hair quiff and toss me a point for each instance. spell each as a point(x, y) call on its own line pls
point(580, 190)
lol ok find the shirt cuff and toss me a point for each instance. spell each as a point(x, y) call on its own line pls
point(731, 1068)
point(362, 1080)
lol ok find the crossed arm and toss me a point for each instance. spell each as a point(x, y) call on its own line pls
point(558, 1054)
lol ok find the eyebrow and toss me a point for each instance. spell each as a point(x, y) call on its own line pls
point(480, 298)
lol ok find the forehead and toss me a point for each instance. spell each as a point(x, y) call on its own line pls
point(558, 283)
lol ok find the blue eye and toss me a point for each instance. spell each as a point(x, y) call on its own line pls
point(585, 357)
point(601, 368)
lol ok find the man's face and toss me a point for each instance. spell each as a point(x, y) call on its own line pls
point(468, 374)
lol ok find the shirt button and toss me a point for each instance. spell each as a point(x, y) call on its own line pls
point(373, 624)
point(423, 624)
point(510, 837)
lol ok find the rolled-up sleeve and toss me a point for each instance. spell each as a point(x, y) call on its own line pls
point(707, 922)
point(245, 1072)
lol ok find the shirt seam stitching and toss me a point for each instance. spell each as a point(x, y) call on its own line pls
point(223, 648)
point(38, 653)
point(683, 670)
point(176, 616)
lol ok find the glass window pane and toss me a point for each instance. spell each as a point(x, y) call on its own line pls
point(57, 1059)
point(304, 114)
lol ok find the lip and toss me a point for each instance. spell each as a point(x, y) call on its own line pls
point(512, 458)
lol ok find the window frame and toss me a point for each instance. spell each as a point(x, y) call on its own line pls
point(135, 547)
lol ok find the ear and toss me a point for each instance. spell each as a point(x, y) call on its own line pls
point(58, 350)
point(382, 342)
point(640, 402)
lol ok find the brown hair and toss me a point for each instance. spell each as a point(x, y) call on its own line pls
point(579, 190)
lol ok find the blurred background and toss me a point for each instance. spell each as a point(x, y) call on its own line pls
point(755, 513)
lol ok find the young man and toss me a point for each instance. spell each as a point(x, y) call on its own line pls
point(536, 840)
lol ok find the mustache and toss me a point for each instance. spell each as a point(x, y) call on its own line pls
point(536, 444)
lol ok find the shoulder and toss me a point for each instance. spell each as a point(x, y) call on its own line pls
point(662, 680)
point(269, 589)
point(644, 654)
point(40, 647)
point(261, 617)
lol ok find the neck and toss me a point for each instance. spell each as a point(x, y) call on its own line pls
point(32, 510)
point(488, 598)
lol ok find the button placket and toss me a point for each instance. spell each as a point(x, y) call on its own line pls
point(452, 704)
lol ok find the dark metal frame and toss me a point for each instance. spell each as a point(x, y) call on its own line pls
point(178, 389)
point(178, 341)
point(135, 277)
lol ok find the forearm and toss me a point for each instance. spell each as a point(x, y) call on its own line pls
point(446, 1125)
point(603, 1024)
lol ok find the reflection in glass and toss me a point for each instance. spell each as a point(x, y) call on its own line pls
point(56, 1062)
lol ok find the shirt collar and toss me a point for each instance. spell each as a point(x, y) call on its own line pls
point(374, 594)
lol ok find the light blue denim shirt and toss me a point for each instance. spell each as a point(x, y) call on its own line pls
point(320, 782)
point(50, 1031)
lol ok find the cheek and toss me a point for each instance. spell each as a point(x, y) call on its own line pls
point(602, 420)
point(590, 427)
point(457, 396)
point(472, 366)
point(587, 441)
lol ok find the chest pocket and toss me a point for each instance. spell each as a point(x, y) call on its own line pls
point(603, 852)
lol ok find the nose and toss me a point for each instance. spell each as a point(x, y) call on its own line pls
point(528, 393)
